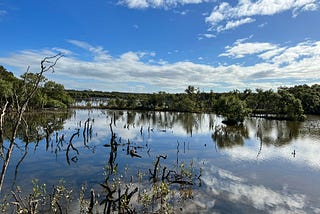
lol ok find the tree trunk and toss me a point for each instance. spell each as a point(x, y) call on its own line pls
point(3, 112)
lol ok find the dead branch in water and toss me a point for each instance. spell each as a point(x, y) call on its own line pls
point(71, 146)
point(155, 169)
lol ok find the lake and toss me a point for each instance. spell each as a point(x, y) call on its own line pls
point(264, 166)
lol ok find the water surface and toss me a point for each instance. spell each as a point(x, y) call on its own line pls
point(264, 166)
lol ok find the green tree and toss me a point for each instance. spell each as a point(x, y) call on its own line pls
point(191, 90)
point(290, 106)
point(6, 89)
point(56, 95)
point(232, 108)
point(309, 96)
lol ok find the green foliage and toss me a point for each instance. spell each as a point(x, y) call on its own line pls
point(281, 104)
point(232, 107)
point(6, 75)
point(39, 200)
point(6, 89)
point(52, 103)
point(290, 106)
point(6, 84)
point(309, 96)
point(49, 95)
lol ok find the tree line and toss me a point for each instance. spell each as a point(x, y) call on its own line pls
point(290, 103)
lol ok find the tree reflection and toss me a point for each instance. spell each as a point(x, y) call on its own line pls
point(275, 132)
point(166, 181)
point(39, 125)
point(34, 128)
point(229, 136)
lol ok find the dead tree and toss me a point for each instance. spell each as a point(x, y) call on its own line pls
point(21, 104)
point(3, 112)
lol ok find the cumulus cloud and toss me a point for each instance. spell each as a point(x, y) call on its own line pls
point(301, 51)
point(226, 16)
point(275, 54)
point(142, 4)
point(101, 71)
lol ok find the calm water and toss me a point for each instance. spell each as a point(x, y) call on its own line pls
point(265, 166)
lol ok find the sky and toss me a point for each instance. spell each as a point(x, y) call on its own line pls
point(165, 45)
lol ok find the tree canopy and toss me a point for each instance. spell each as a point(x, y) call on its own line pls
point(48, 95)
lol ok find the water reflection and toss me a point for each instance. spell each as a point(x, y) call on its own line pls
point(229, 136)
point(231, 190)
point(32, 129)
point(37, 126)
point(235, 161)
point(295, 139)
point(273, 132)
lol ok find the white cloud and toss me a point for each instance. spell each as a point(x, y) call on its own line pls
point(135, 3)
point(240, 50)
point(130, 56)
point(142, 4)
point(99, 53)
point(101, 71)
point(271, 53)
point(293, 56)
point(234, 24)
point(296, 53)
point(206, 35)
point(224, 13)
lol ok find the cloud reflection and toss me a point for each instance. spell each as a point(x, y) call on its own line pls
point(306, 152)
point(223, 185)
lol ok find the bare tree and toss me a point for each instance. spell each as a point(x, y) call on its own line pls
point(21, 104)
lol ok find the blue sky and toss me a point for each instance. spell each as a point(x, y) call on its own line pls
point(165, 45)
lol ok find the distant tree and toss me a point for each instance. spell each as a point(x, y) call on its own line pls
point(191, 102)
point(56, 94)
point(190, 90)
